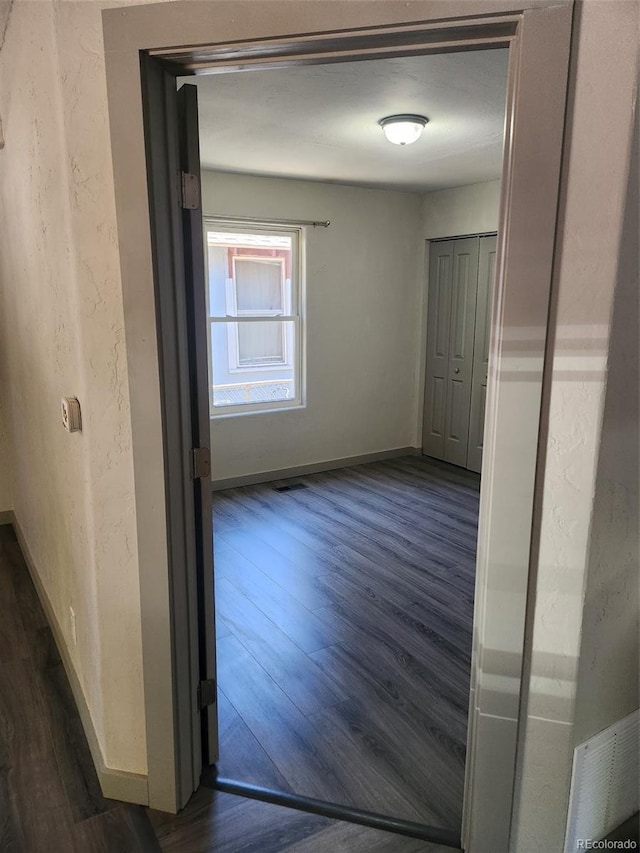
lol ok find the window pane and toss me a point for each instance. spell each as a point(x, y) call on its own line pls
point(253, 362)
point(250, 273)
point(261, 343)
point(258, 285)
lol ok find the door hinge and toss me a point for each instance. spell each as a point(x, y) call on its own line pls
point(200, 463)
point(189, 191)
point(206, 693)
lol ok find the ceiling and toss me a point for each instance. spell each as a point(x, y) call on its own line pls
point(320, 122)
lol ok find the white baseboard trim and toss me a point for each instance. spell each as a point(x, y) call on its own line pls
point(115, 784)
point(312, 468)
point(6, 517)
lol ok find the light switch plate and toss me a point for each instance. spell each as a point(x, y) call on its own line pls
point(70, 409)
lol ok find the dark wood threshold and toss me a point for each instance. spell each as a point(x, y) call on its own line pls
point(434, 834)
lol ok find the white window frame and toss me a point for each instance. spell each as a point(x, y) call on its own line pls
point(296, 359)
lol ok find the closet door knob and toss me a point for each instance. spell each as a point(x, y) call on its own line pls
point(457, 370)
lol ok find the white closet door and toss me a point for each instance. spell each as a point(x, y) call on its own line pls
point(453, 277)
point(461, 333)
point(437, 369)
point(486, 279)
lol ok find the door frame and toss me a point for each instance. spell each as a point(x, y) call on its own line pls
point(233, 35)
point(178, 261)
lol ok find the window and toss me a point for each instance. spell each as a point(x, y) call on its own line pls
point(255, 321)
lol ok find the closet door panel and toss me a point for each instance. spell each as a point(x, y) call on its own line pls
point(437, 411)
point(438, 334)
point(461, 345)
point(458, 412)
point(486, 278)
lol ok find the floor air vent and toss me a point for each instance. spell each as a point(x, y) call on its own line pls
point(604, 783)
point(292, 487)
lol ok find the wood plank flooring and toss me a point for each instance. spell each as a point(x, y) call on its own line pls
point(50, 800)
point(214, 822)
point(344, 635)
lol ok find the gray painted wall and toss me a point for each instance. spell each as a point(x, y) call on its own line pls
point(362, 324)
point(472, 209)
point(365, 289)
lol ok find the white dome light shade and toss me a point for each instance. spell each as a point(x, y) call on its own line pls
point(403, 129)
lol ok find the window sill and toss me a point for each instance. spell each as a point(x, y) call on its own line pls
point(218, 416)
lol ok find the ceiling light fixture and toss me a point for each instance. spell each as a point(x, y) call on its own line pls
point(403, 129)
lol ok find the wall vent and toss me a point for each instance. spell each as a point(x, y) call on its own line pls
point(604, 783)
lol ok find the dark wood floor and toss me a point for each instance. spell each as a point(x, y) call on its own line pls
point(50, 800)
point(221, 823)
point(331, 664)
point(344, 635)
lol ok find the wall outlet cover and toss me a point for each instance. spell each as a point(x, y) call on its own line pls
point(70, 411)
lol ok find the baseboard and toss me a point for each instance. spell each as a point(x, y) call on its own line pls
point(115, 784)
point(312, 468)
point(6, 517)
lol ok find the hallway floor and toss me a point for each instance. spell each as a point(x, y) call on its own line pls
point(344, 615)
point(50, 800)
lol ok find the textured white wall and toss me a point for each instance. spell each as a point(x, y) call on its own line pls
point(472, 209)
point(591, 226)
point(62, 334)
point(608, 675)
point(362, 294)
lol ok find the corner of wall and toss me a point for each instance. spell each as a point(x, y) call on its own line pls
point(608, 675)
point(114, 784)
point(455, 212)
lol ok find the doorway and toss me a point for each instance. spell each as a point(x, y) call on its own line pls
point(523, 305)
point(315, 293)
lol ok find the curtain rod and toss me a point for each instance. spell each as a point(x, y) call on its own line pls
point(462, 236)
point(262, 220)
